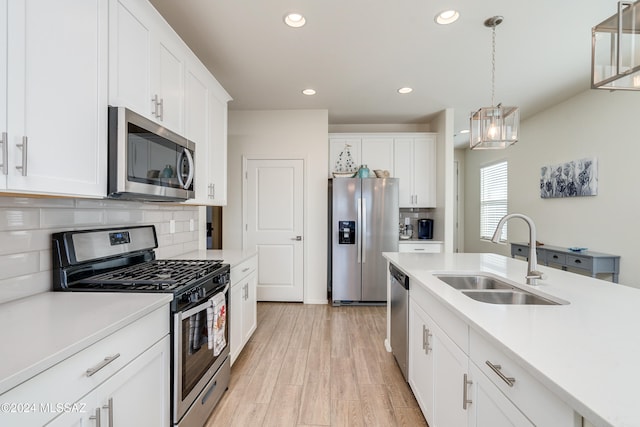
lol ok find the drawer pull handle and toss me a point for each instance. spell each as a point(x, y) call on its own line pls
point(577, 261)
point(105, 362)
point(244, 270)
point(555, 257)
point(419, 249)
point(503, 377)
point(465, 392)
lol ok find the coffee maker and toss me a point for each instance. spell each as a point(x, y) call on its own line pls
point(425, 229)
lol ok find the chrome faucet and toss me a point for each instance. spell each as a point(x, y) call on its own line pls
point(532, 270)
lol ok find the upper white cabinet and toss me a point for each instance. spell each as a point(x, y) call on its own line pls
point(146, 64)
point(375, 151)
point(155, 74)
point(408, 156)
point(415, 165)
point(54, 65)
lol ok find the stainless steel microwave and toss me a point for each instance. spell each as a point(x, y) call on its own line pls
point(147, 161)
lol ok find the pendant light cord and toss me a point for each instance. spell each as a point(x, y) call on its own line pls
point(493, 65)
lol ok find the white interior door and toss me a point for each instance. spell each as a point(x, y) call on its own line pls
point(273, 214)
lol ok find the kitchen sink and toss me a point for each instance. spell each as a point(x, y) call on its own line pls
point(508, 297)
point(492, 290)
point(473, 282)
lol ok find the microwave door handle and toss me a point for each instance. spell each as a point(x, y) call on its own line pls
point(191, 168)
point(185, 153)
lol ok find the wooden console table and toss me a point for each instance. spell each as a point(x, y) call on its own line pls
point(589, 261)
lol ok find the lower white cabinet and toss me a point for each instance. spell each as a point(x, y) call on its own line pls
point(135, 396)
point(489, 406)
point(123, 379)
point(460, 378)
point(421, 370)
point(243, 310)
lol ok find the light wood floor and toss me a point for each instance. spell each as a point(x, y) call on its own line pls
point(317, 365)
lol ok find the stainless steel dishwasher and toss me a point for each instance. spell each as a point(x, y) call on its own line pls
point(399, 285)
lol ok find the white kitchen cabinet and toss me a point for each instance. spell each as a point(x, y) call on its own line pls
point(130, 364)
point(55, 60)
point(419, 246)
point(437, 368)
point(377, 153)
point(373, 150)
point(421, 369)
point(458, 368)
point(3, 93)
point(146, 64)
point(518, 386)
point(243, 311)
point(135, 396)
point(206, 125)
point(489, 406)
point(153, 73)
point(415, 165)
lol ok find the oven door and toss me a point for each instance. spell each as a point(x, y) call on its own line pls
point(195, 363)
point(146, 160)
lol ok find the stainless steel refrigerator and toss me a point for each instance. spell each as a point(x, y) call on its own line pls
point(364, 220)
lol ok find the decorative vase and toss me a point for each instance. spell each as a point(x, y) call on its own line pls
point(363, 172)
point(167, 172)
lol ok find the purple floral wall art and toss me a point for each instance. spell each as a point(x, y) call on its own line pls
point(570, 179)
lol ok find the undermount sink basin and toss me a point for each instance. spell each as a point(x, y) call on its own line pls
point(473, 282)
point(492, 290)
point(508, 297)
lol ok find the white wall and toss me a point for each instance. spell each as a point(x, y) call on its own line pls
point(444, 214)
point(287, 134)
point(593, 123)
point(26, 225)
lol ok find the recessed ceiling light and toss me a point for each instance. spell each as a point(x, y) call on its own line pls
point(294, 20)
point(404, 90)
point(309, 92)
point(447, 17)
point(464, 131)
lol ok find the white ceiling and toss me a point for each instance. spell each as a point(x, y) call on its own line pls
point(357, 53)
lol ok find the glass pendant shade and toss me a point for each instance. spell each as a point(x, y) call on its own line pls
point(615, 50)
point(494, 127)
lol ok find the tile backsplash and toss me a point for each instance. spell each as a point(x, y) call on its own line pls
point(26, 225)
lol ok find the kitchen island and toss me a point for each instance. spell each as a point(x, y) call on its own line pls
point(583, 353)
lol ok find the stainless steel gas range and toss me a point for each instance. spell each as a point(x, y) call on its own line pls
point(123, 260)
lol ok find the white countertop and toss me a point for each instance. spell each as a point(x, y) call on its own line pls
point(39, 331)
point(586, 352)
point(416, 240)
point(229, 256)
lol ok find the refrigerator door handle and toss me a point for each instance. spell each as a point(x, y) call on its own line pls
point(364, 229)
point(359, 231)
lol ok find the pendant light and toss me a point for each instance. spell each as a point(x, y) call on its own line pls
point(615, 50)
point(495, 126)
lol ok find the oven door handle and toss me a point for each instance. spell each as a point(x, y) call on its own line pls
point(186, 314)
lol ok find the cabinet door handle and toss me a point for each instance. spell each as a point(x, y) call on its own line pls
point(161, 107)
point(212, 191)
point(96, 417)
point(428, 344)
point(465, 392)
point(424, 338)
point(5, 154)
point(105, 362)
point(109, 407)
point(155, 105)
point(24, 155)
point(498, 370)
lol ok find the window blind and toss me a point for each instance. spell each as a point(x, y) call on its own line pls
point(493, 199)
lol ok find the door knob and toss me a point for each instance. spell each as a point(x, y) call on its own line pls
point(298, 238)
